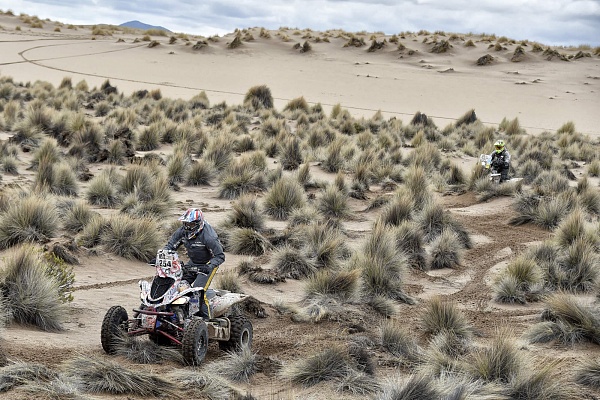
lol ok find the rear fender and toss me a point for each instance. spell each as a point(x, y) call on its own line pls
point(222, 302)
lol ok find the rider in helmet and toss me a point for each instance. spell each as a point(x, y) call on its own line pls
point(501, 159)
point(203, 248)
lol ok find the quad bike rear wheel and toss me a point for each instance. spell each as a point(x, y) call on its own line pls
point(195, 342)
point(114, 327)
point(240, 335)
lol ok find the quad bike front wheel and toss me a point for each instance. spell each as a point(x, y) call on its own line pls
point(195, 342)
point(114, 327)
point(240, 334)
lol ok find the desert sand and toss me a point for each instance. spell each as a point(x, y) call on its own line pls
point(543, 94)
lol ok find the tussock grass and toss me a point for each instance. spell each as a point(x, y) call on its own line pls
point(383, 266)
point(246, 213)
point(292, 263)
point(571, 228)
point(203, 384)
point(140, 350)
point(550, 183)
point(91, 233)
point(247, 241)
point(446, 250)
point(30, 220)
point(409, 239)
point(333, 203)
point(323, 243)
point(290, 154)
point(397, 210)
point(220, 152)
point(445, 316)
point(229, 281)
point(342, 285)
point(283, 197)
point(567, 321)
point(383, 305)
point(102, 192)
point(500, 362)
point(545, 381)
point(334, 160)
point(258, 97)
point(177, 167)
point(326, 365)
point(21, 373)
point(415, 387)
point(299, 103)
point(400, 342)
point(417, 184)
point(77, 216)
point(94, 375)
point(130, 237)
point(433, 220)
point(201, 172)
point(237, 366)
point(241, 177)
point(587, 373)
point(32, 296)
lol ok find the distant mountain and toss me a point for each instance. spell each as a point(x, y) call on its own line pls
point(143, 26)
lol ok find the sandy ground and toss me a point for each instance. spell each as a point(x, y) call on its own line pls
point(443, 86)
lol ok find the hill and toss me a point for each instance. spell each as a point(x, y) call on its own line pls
point(140, 25)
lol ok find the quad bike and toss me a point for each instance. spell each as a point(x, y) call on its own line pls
point(170, 314)
point(486, 163)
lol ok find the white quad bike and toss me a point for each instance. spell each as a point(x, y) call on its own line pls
point(169, 314)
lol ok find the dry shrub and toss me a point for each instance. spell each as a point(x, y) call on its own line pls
point(409, 239)
point(139, 350)
point(342, 285)
point(333, 203)
point(323, 243)
point(414, 387)
point(204, 384)
point(102, 191)
point(544, 381)
point(588, 373)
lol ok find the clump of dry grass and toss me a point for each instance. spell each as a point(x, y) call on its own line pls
point(342, 285)
point(245, 213)
point(333, 203)
point(247, 241)
point(383, 266)
point(445, 316)
point(415, 387)
point(521, 277)
point(500, 362)
point(323, 243)
point(204, 384)
point(94, 375)
point(22, 373)
point(142, 351)
point(400, 342)
point(134, 238)
point(588, 373)
point(31, 295)
point(446, 250)
point(293, 263)
point(283, 197)
point(32, 219)
point(545, 381)
point(259, 97)
point(237, 366)
point(102, 191)
point(567, 320)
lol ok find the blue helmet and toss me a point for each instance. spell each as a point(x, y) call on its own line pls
point(193, 220)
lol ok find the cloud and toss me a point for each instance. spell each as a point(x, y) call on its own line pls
point(567, 22)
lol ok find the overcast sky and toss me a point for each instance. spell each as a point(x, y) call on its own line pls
point(556, 22)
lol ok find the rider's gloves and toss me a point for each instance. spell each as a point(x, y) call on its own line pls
point(505, 164)
point(152, 262)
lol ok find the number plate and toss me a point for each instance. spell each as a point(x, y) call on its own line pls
point(149, 321)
